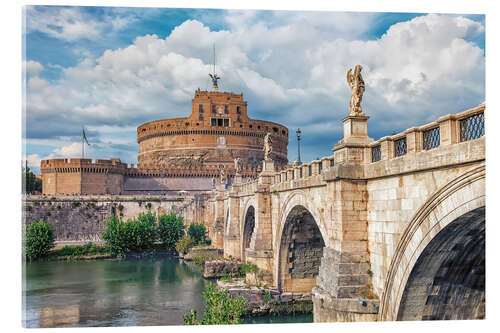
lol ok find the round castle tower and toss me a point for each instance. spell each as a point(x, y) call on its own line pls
point(216, 133)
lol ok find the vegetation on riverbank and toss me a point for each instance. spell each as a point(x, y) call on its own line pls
point(38, 239)
point(142, 233)
point(76, 252)
point(221, 308)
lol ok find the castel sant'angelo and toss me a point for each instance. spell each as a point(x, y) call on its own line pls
point(177, 154)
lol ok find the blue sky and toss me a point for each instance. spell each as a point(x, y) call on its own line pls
point(111, 69)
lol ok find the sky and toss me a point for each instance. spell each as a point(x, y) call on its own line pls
point(111, 69)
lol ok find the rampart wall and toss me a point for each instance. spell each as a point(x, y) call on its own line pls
point(83, 218)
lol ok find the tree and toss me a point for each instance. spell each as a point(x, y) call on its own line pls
point(197, 233)
point(170, 229)
point(29, 182)
point(38, 240)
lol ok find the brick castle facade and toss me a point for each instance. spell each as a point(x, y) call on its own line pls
point(177, 154)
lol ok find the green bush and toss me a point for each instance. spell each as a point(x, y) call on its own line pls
point(221, 308)
point(114, 236)
point(130, 236)
point(38, 240)
point(184, 244)
point(248, 267)
point(200, 257)
point(80, 250)
point(140, 233)
point(170, 229)
point(197, 233)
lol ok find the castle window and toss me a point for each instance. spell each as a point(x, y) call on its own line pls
point(258, 127)
point(240, 125)
point(226, 110)
point(213, 122)
point(213, 108)
point(238, 111)
point(200, 108)
point(187, 124)
point(283, 132)
point(220, 122)
point(226, 122)
point(250, 126)
point(275, 129)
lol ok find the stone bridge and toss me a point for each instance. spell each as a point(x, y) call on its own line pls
point(392, 229)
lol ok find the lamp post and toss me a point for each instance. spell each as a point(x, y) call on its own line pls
point(298, 132)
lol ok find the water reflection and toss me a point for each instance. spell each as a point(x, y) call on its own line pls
point(110, 293)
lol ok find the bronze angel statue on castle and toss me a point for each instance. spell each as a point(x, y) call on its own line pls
point(355, 81)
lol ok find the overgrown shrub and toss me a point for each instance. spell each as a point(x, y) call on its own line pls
point(197, 233)
point(184, 244)
point(75, 204)
point(74, 251)
point(38, 240)
point(170, 229)
point(114, 236)
point(248, 267)
point(201, 257)
point(130, 236)
point(221, 308)
point(141, 232)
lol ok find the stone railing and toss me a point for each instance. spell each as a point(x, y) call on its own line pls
point(447, 130)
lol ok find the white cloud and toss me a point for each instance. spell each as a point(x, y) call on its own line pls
point(287, 71)
point(32, 67)
point(71, 23)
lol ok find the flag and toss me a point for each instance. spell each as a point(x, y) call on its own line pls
point(85, 137)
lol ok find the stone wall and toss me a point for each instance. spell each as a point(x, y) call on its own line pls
point(83, 218)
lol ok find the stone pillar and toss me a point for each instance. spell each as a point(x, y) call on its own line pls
point(218, 229)
point(260, 251)
point(344, 290)
point(354, 148)
point(448, 130)
point(232, 241)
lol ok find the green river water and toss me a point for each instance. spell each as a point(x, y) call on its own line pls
point(145, 292)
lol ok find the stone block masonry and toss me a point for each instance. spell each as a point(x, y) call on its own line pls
point(83, 218)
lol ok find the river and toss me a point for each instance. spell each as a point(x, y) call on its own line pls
point(144, 292)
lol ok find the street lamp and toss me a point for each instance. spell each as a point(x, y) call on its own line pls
point(298, 145)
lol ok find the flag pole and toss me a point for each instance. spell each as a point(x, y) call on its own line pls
point(83, 143)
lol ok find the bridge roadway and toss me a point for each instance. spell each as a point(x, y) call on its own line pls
point(392, 229)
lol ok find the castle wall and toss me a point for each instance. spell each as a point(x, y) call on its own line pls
point(83, 218)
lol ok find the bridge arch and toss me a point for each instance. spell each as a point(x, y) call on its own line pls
point(440, 255)
point(247, 225)
point(300, 243)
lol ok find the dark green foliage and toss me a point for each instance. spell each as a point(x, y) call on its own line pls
point(201, 257)
point(248, 267)
point(170, 229)
point(38, 240)
point(184, 244)
point(221, 308)
point(131, 236)
point(114, 236)
point(27, 208)
point(30, 184)
point(197, 233)
point(148, 206)
point(75, 251)
point(141, 232)
point(75, 204)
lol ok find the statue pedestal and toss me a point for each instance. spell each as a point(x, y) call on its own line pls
point(267, 166)
point(237, 179)
point(354, 148)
